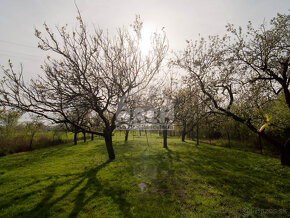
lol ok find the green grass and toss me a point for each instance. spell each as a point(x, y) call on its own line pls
point(184, 181)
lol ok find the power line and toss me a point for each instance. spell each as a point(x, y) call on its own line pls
point(18, 53)
point(18, 44)
point(32, 58)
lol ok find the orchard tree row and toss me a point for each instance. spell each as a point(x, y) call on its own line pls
point(90, 76)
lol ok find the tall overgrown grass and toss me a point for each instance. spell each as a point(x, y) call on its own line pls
point(20, 141)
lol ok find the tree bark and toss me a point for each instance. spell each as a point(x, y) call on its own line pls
point(284, 149)
point(209, 132)
point(192, 134)
point(109, 144)
point(92, 136)
point(229, 139)
point(285, 153)
point(75, 138)
point(165, 138)
point(31, 141)
point(146, 137)
point(183, 132)
point(126, 135)
point(197, 125)
point(183, 136)
point(85, 138)
point(197, 134)
point(260, 143)
point(286, 92)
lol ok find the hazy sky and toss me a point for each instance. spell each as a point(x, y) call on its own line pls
point(182, 19)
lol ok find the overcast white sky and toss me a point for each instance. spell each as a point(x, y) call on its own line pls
point(182, 19)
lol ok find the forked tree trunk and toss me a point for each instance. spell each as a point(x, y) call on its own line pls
point(165, 138)
point(109, 144)
point(75, 138)
point(126, 135)
point(285, 153)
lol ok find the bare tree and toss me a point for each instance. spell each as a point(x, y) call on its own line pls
point(189, 108)
point(225, 81)
point(160, 110)
point(94, 71)
point(266, 52)
point(127, 116)
point(80, 117)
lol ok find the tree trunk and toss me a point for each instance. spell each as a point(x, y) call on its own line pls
point(126, 135)
point(286, 94)
point(109, 144)
point(92, 136)
point(75, 138)
point(183, 131)
point(197, 134)
point(30, 144)
point(146, 137)
point(31, 141)
point(284, 149)
point(192, 134)
point(165, 138)
point(260, 143)
point(229, 139)
point(140, 132)
point(209, 130)
point(183, 136)
point(285, 153)
point(85, 138)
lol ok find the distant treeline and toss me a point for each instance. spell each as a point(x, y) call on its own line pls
point(18, 136)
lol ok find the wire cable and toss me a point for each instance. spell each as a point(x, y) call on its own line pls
point(19, 44)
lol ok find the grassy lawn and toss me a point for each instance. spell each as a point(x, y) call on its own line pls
point(184, 181)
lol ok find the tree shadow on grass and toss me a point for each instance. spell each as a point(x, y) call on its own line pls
point(232, 176)
point(83, 197)
point(116, 193)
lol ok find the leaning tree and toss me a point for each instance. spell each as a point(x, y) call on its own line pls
point(266, 52)
point(95, 71)
point(239, 76)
